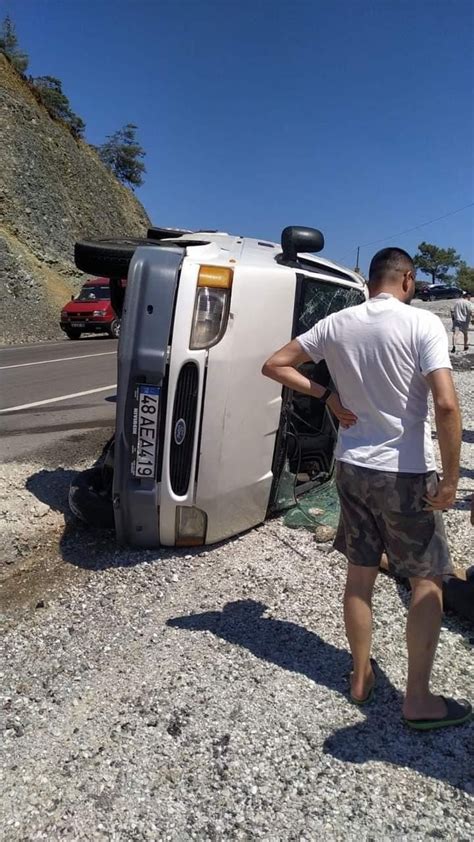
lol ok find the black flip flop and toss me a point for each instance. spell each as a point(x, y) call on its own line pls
point(370, 694)
point(457, 713)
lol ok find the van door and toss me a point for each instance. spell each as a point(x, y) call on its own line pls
point(304, 451)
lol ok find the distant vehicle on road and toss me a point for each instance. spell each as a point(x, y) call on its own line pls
point(432, 292)
point(90, 311)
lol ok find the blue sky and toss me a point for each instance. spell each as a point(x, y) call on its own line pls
point(354, 116)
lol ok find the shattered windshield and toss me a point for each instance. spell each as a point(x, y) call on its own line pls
point(304, 457)
point(320, 299)
point(93, 293)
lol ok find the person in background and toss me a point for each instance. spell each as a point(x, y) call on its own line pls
point(384, 358)
point(461, 314)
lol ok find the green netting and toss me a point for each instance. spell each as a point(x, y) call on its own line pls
point(315, 508)
point(285, 493)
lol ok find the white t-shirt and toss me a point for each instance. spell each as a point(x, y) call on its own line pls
point(462, 310)
point(377, 354)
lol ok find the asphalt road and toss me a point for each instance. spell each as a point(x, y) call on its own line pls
point(56, 397)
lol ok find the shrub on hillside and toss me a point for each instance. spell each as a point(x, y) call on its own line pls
point(50, 93)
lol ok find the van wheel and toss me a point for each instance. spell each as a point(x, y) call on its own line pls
point(111, 258)
point(72, 334)
point(114, 329)
point(107, 258)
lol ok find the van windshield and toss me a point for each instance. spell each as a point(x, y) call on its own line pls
point(94, 293)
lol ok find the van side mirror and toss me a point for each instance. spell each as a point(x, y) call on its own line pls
point(296, 238)
point(72, 297)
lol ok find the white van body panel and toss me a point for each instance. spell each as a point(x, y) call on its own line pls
point(242, 409)
point(200, 432)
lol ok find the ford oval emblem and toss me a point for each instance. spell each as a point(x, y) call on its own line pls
point(180, 431)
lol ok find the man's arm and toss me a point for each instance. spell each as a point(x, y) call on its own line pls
point(283, 367)
point(449, 429)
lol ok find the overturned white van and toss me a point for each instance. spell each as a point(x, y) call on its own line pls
point(202, 440)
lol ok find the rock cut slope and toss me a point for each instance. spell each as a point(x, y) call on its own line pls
point(53, 190)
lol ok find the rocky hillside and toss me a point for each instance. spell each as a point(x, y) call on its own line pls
point(53, 190)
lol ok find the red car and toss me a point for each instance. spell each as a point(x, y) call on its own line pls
point(90, 311)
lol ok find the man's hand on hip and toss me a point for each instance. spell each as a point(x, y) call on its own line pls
point(345, 417)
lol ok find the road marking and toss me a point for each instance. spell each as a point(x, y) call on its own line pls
point(58, 343)
point(62, 360)
point(36, 345)
point(56, 400)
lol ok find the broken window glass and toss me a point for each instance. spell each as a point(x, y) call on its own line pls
point(308, 436)
point(320, 299)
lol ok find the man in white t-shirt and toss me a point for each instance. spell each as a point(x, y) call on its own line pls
point(384, 357)
point(461, 314)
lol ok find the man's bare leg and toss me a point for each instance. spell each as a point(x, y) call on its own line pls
point(358, 619)
point(423, 626)
point(465, 334)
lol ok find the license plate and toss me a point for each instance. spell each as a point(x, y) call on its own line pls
point(145, 431)
point(78, 324)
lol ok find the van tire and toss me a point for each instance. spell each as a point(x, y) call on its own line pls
point(107, 258)
point(72, 334)
point(114, 329)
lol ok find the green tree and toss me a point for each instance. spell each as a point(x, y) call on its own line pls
point(435, 261)
point(465, 277)
point(51, 94)
point(121, 153)
point(77, 125)
point(9, 45)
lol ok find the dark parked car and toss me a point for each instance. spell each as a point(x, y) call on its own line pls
point(431, 292)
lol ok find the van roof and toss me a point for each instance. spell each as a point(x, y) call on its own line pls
point(219, 245)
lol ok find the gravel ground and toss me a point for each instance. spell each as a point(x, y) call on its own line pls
point(178, 696)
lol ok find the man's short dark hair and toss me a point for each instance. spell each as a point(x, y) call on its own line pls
point(389, 260)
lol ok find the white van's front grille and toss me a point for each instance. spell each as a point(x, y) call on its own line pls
point(183, 428)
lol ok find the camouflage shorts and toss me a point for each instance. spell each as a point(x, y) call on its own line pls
point(384, 511)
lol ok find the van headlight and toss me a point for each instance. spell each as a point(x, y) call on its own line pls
point(191, 526)
point(98, 313)
point(211, 308)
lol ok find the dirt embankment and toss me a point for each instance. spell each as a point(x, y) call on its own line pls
point(53, 191)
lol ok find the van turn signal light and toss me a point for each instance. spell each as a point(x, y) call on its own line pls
point(218, 277)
